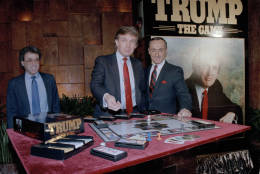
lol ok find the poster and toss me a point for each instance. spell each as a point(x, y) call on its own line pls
point(212, 29)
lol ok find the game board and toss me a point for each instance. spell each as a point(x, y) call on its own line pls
point(153, 125)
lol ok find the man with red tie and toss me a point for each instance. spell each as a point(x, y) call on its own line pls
point(208, 99)
point(118, 79)
point(166, 88)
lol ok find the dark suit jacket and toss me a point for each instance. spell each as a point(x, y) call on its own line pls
point(170, 90)
point(218, 103)
point(17, 99)
point(105, 79)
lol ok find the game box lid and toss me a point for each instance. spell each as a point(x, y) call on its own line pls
point(48, 126)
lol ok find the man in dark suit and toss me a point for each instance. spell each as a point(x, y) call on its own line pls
point(118, 79)
point(204, 83)
point(166, 88)
point(21, 91)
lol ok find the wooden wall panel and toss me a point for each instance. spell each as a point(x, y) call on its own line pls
point(70, 74)
point(115, 5)
point(18, 35)
point(4, 78)
point(40, 11)
point(82, 6)
point(5, 32)
point(4, 57)
point(92, 29)
point(50, 51)
point(90, 54)
point(50, 70)
point(254, 53)
point(71, 90)
point(34, 35)
point(87, 81)
point(70, 51)
point(55, 28)
point(16, 68)
point(58, 9)
point(75, 25)
point(109, 28)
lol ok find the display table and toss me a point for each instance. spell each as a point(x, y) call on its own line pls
point(84, 162)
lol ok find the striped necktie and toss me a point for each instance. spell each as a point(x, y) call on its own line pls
point(153, 80)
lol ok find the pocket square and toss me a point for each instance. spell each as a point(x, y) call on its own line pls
point(164, 82)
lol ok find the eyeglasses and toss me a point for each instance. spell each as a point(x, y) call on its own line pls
point(157, 50)
point(32, 61)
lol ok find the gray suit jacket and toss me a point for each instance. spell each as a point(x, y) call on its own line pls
point(170, 93)
point(105, 79)
point(17, 102)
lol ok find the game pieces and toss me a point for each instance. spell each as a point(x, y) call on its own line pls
point(159, 136)
point(149, 136)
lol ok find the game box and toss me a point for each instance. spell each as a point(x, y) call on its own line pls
point(108, 153)
point(62, 148)
point(48, 126)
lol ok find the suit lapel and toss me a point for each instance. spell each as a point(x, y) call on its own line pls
point(48, 89)
point(162, 74)
point(115, 75)
point(148, 78)
point(23, 93)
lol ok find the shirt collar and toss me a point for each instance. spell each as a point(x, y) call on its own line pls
point(200, 88)
point(159, 66)
point(120, 57)
point(29, 76)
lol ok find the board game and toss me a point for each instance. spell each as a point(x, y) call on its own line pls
point(151, 125)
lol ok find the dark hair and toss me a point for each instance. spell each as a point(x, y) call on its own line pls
point(158, 38)
point(27, 49)
point(127, 30)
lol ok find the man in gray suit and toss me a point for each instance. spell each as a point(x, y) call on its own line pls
point(118, 79)
point(166, 88)
point(20, 100)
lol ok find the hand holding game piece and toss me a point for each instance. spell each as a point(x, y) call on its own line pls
point(159, 136)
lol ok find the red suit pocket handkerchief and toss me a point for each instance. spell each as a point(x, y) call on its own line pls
point(164, 82)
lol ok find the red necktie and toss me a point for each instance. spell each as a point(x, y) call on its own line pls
point(128, 91)
point(153, 80)
point(205, 105)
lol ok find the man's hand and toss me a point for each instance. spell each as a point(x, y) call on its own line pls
point(112, 104)
point(228, 118)
point(184, 113)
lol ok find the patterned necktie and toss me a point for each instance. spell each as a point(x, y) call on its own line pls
point(205, 105)
point(36, 109)
point(128, 91)
point(153, 80)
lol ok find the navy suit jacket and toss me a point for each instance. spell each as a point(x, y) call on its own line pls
point(17, 99)
point(170, 93)
point(105, 79)
point(218, 103)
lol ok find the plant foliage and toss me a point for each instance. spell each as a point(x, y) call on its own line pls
point(77, 106)
point(5, 152)
point(253, 116)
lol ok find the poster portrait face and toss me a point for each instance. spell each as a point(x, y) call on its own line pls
point(211, 59)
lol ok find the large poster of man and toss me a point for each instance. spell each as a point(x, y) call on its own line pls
point(215, 64)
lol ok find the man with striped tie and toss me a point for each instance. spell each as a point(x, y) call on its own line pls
point(32, 92)
point(166, 88)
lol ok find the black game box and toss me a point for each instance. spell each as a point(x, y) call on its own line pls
point(62, 148)
point(48, 126)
